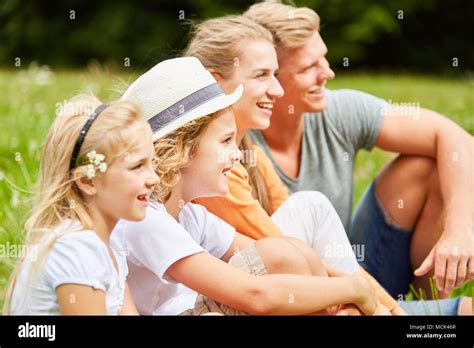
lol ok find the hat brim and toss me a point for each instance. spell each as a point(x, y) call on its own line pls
point(213, 105)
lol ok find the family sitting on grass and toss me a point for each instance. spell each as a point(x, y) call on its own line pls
point(222, 182)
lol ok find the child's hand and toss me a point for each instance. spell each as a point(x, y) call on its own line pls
point(351, 309)
point(366, 297)
point(398, 311)
point(381, 309)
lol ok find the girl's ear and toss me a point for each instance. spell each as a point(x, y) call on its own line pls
point(216, 75)
point(86, 185)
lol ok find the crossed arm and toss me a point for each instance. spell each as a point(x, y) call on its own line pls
point(431, 135)
point(268, 294)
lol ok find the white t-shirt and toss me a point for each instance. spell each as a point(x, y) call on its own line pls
point(154, 244)
point(79, 257)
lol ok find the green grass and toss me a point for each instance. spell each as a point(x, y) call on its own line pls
point(29, 97)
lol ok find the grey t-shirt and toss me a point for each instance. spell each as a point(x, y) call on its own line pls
point(330, 141)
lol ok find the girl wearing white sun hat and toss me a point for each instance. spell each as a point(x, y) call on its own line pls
point(181, 249)
point(186, 92)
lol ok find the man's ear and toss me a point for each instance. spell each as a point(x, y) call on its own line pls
point(216, 75)
point(86, 185)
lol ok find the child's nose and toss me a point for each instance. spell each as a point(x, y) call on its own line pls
point(154, 179)
point(236, 154)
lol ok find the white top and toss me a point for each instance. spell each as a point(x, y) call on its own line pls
point(157, 242)
point(79, 257)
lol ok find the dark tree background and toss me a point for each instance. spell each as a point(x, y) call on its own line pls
point(419, 36)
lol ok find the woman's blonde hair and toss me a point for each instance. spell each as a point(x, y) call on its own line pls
point(118, 129)
point(216, 43)
point(175, 151)
point(290, 26)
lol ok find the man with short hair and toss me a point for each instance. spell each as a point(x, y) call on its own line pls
point(418, 212)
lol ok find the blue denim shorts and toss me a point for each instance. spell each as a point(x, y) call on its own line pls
point(448, 306)
point(387, 255)
point(386, 245)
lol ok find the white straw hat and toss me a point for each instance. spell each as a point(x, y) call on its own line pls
point(177, 91)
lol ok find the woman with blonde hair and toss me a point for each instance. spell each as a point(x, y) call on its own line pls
point(237, 50)
point(96, 168)
point(181, 249)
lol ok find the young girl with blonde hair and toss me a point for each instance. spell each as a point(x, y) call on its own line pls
point(181, 249)
point(96, 168)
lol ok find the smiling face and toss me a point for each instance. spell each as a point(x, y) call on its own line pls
point(123, 191)
point(303, 74)
point(207, 173)
point(256, 70)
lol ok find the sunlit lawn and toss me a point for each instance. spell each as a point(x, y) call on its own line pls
point(29, 97)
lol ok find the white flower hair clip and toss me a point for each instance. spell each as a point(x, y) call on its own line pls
point(96, 160)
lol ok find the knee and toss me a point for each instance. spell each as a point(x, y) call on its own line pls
point(413, 173)
point(316, 264)
point(425, 169)
point(418, 166)
point(279, 256)
point(300, 246)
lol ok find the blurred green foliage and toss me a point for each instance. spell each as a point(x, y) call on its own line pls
point(422, 36)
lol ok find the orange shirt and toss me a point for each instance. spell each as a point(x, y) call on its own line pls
point(239, 209)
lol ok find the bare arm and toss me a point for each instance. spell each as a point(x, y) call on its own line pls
point(432, 135)
point(270, 294)
point(385, 299)
point(128, 307)
point(240, 243)
point(74, 299)
point(386, 305)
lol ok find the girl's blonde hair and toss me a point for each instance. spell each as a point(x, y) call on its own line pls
point(175, 151)
point(216, 43)
point(118, 129)
point(290, 26)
